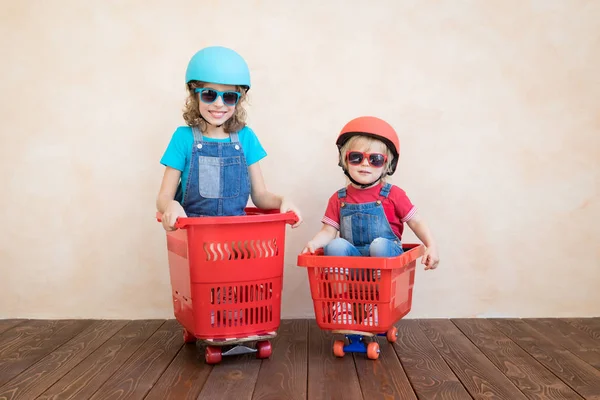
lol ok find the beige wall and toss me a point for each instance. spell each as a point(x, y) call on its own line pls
point(496, 103)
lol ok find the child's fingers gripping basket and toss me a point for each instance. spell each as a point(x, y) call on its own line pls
point(365, 294)
point(227, 272)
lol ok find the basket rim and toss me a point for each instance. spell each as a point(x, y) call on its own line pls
point(318, 260)
point(253, 215)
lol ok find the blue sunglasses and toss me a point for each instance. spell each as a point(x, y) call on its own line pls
point(209, 96)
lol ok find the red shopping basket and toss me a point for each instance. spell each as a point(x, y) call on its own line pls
point(226, 273)
point(364, 294)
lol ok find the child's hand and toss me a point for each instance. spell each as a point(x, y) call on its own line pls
point(309, 248)
point(173, 211)
point(289, 206)
point(431, 258)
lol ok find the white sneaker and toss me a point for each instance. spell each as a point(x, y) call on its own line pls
point(342, 313)
point(372, 317)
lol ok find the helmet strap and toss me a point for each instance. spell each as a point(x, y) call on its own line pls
point(362, 185)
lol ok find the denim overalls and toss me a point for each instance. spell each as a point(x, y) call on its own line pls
point(360, 225)
point(364, 231)
point(218, 183)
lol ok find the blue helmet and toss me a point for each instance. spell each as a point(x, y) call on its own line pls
point(220, 65)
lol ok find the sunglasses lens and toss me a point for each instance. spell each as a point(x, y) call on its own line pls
point(355, 158)
point(377, 160)
point(230, 98)
point(208, 96)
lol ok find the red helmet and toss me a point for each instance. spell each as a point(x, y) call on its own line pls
point(376, 128)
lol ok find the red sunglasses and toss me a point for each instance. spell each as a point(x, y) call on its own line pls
point(376, 160)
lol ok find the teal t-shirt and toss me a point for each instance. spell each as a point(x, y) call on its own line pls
point(179, 151)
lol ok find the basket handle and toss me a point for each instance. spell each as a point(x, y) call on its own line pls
point(178, 223)
point(292, 218)
point(317, 252)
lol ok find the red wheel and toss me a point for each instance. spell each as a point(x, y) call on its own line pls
point(373, 351)
point(188, 337)
point(263, 349)
point(212, 355)
point(392, 334)
point(338, 348)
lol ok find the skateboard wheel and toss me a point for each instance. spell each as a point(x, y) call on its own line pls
point(392, 334)
point(212, 355)
point(373, 351)
point(338, 348)
point(263, 349)
point(188, 337)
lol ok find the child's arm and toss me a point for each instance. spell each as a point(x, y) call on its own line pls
point(321, 239)
point(165, 203)
point(420, 228)
point(266, 200)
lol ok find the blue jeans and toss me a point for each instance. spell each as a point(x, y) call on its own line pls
point(379, 247)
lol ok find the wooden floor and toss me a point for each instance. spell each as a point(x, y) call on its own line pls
point(433, 359)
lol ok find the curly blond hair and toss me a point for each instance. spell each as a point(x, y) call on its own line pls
point(192, 116)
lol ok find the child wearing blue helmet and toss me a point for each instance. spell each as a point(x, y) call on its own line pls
point(212, 164)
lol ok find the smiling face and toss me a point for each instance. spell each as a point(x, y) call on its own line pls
point(217, 112)
point(364, 172)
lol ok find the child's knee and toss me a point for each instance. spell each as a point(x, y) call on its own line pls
point(380, 247)
point(338, 247)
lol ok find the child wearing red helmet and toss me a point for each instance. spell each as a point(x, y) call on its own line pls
point(370, 213)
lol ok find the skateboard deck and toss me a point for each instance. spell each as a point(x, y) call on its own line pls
point(230, 341)
point(352, 332)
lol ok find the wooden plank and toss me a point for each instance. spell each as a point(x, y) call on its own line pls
point(569, 337)
point(383, 378)
point(6, 324)
point(18, 355)
point(184, 378)
point(284, 374)
point(329, 377)
point(83, 380)
point(235, 375)
point(135, 378)
point(579, 375)
point(591, 326)
point(22, 333)
point(48, 370)
point(532, 378)
point(430, 376)
point(479, 376)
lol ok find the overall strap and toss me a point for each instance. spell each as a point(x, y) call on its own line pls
point(385, 190)
point(197, 135)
